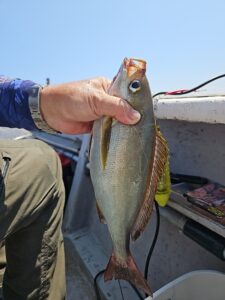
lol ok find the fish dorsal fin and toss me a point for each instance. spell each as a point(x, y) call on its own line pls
point(159, 158)
point(105, 139)
point(100, 213)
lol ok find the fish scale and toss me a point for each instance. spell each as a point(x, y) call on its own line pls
point(126, 162)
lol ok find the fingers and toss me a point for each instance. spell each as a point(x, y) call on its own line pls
point(75, 127)
point(102, 83)
point(105, 83)
point(119, 109)
point(116, 107)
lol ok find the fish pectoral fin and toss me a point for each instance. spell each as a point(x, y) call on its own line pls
point(105, 139)
point(159, 158)
point(100, 214)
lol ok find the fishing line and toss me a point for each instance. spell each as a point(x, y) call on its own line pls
point(183, 92)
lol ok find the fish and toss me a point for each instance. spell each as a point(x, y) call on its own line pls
point(126, 164)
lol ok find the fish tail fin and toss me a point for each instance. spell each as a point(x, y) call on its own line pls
point(126, 270)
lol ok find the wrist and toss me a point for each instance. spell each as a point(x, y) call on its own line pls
point(43, 104)
point(36, 100)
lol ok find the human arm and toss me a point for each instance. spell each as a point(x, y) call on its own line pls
point(72, 107)
point(69, 107)
point(14, 103)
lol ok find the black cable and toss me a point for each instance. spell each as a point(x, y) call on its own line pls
point(193, 89)
point(151, 249)
point(121, 290)
point(97, 289)
point(137, 292)
point(153, 242)
point(158, 94)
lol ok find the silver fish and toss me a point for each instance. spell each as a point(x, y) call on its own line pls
point(126, 163)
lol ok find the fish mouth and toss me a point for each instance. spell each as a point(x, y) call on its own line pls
point(134, 66)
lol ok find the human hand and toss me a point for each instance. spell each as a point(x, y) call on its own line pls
point(72, 107)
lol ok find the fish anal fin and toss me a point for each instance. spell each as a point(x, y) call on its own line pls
point(100, 214)
point(126, 270)
point(105, 139)
point(158, 161)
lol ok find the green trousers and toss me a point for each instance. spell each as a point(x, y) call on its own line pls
point(31, 210)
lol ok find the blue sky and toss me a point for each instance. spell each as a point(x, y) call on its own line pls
point(182, 41)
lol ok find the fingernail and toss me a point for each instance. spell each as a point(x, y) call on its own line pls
point(134, 116)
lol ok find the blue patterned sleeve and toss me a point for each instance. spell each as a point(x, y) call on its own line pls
point(14, 103)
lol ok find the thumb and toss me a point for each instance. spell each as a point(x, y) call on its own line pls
point(119, 109)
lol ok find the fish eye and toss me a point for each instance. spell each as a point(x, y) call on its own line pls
point(135, 86)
